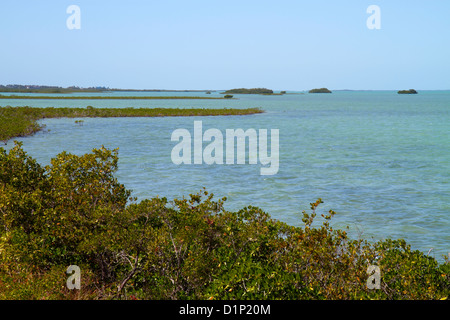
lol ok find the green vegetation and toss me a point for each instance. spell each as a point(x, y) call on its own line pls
point(105, 97)
point(320, 90)
point(248, 91)
point(21, 121)
point(48, 89)
point(73, 89)
point(75, 212)
point(228, 96)
point(263, 91)
point(410, 91)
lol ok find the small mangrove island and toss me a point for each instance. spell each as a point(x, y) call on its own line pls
point(22, 121)
point(410, 91)
point(249, 91)
point(320, 90)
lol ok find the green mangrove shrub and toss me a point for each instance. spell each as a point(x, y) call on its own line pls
point(75, 212)
point(22, 121)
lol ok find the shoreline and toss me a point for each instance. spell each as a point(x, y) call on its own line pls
point(22, 121)
point(112, 98)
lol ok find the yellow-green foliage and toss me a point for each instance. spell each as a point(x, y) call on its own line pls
point(21, 121)
point(10, 97)
point(74, 211)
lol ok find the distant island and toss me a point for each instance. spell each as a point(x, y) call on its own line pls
point(48, 89)
point(248, 91)
point(320, 90)
point(74, 89)
point(410, 91)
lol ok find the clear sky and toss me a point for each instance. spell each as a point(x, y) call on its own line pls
point(196, 44)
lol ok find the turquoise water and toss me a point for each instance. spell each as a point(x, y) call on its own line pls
point(379, 159)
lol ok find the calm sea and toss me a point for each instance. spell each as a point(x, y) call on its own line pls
point(379, 159)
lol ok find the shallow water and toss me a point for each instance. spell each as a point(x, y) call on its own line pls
point(379, 159)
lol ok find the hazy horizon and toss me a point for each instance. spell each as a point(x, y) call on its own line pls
point(216, 89)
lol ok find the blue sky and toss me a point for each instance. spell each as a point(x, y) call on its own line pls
point(282, 45)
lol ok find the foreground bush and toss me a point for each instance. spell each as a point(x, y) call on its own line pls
point(75, 212)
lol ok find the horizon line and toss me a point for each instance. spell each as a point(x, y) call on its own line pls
point(200, 90)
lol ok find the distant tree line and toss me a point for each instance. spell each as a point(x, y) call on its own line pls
point(410, 91)
point(248, 91)
point(320, 90)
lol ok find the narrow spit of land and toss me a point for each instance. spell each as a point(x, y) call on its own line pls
point(110, 97)
point(22, 121)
